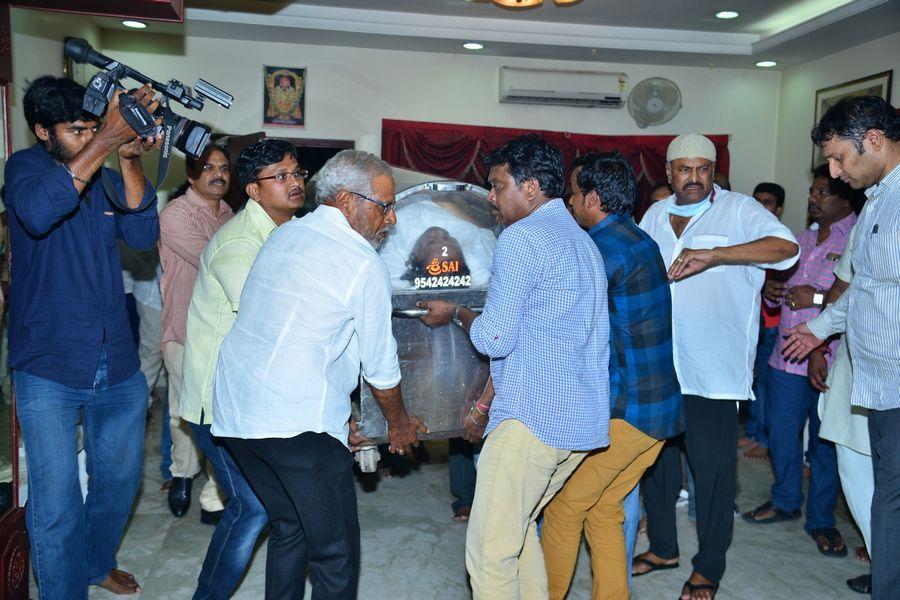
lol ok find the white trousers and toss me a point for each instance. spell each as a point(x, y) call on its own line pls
point(858, 482)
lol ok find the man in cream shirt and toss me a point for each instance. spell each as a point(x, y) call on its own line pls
point(274, 184)
point(716, 245)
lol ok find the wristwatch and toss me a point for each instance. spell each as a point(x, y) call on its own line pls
point(819, 299)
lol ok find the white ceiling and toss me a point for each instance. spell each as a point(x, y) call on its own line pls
point(677, 32)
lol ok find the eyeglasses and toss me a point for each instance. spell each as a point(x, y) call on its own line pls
point(820, 193)
point(386, 207)
point(282, 176)
point(208, 168)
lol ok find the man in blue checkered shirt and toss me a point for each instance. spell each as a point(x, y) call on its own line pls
point(646, 398)
point(545, 327)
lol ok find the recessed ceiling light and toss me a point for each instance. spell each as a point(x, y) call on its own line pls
point(766, 63)
point(135, 24)
point(473, 46)
point(727, 14)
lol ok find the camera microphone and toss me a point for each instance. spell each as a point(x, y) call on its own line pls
point(79, 50)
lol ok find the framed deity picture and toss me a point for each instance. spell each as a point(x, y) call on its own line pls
point(284, 97)
point(878, 84)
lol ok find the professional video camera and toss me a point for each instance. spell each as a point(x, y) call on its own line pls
point(186, 135)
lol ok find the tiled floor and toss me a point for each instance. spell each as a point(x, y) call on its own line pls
point(412, 550)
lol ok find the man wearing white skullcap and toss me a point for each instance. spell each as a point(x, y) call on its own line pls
point(717, 245)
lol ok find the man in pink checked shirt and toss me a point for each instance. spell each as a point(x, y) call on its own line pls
point(832, 208)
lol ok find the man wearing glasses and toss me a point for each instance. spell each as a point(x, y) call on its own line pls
point(315, 310)
point(185, 227)
point(273, 182)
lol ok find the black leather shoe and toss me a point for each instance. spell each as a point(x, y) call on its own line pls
point(861, 584)
point(210, 517)
point(180, 495)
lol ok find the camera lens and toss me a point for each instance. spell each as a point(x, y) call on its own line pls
point(190, 137)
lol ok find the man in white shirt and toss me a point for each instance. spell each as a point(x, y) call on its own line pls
point(860, 139)
point(716, 245)
point(315, 308)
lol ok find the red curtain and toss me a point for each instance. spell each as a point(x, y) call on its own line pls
point(456, 151)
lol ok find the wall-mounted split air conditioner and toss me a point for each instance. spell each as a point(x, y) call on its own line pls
point(589, 89)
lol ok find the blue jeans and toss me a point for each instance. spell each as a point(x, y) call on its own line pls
point(755, 425)
point(73, 543)
point(235, 535)
point(632, 506)
point(791, 401)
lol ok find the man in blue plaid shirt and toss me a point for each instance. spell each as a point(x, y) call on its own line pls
point(645, 396)
point(545, 327)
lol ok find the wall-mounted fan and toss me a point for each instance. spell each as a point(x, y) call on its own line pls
point(654, 101)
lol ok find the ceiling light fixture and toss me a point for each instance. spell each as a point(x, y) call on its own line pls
point(473, 46)
point(135, 24)
point(765, 64)
point(727, 14)
point(532, 3)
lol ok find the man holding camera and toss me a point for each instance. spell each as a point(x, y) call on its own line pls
point(72, 353)
point(186, 226)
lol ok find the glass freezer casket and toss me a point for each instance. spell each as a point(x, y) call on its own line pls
point(441, 248)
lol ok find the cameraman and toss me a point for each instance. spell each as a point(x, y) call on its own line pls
point(71, 349)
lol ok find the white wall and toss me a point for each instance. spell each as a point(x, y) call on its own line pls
point(797, 111)
point(37, 49)
point(350, 90)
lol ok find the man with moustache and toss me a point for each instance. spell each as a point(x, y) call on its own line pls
point(316, 307)
point(186, 225)
point(791, 398)
point(545, 326)
point(716, 245)
point(860, 139)
point(273, 181)
point(71, 349)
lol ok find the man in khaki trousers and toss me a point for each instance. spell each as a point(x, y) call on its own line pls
point(546, 329)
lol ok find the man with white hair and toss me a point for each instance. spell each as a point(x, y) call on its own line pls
point(716, 245)
point(315, 308)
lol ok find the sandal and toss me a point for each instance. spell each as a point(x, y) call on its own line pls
point(827, 539)
point(778, 516)
point(692, 588)
point(861, 584)
point(654, 566)
point(461, 514)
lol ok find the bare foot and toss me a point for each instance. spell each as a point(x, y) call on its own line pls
point(642, 526)
point(862, 555)
point(756, 452)
point(165, 486)
point(120, 583)
point(745, 441)
point(640, 566)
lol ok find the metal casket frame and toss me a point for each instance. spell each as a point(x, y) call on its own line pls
point(442, 374)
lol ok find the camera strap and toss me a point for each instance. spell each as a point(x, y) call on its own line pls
point(165, 156)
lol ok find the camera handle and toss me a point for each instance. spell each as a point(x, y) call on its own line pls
point(142, 122)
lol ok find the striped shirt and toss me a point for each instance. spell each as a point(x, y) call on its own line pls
point(869, 311)
point(644, 389)
point(815, 268)
point(186, 225)
point(545, 327)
